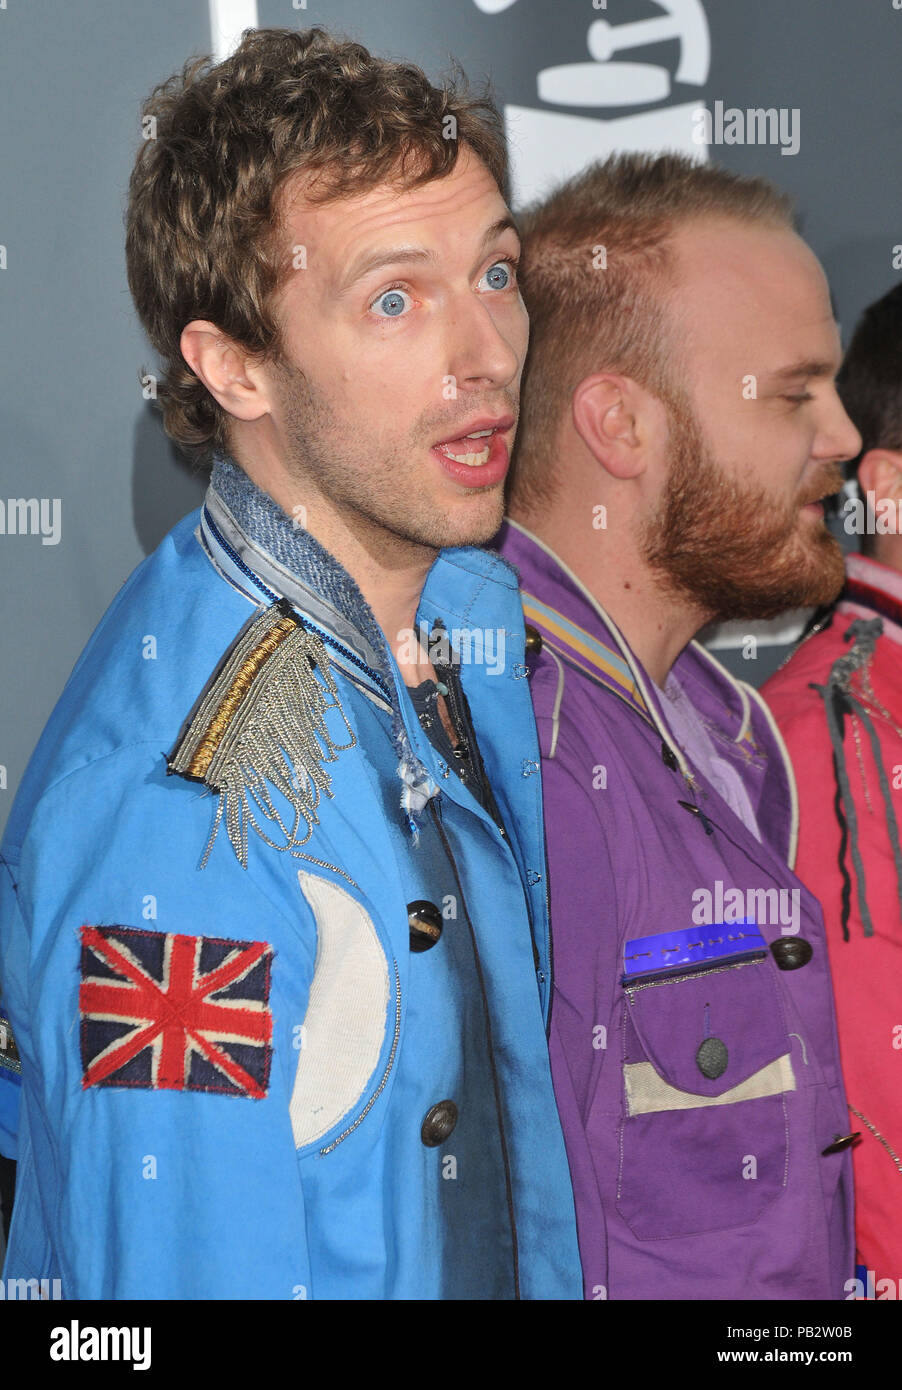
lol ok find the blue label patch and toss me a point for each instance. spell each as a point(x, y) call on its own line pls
point(696, 946)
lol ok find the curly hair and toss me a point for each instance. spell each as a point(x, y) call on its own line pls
point(204, 225)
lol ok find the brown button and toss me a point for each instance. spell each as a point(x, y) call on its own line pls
point(844, 1141)
point(791, 952)
point(439, 1123)
point(425, 923)
point(669, 756)
point(533, 638)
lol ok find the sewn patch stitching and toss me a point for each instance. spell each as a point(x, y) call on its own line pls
point(162, 1011)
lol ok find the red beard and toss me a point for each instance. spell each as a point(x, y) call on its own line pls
point(730, 549)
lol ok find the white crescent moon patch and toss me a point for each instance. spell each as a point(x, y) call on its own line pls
point(347, 1014)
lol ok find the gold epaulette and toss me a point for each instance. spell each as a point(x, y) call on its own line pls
point(260, 722)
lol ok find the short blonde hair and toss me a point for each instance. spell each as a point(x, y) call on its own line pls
point(595, 276)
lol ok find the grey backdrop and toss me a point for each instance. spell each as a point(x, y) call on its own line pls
point(72, 76)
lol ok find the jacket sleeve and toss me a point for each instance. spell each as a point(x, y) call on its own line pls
point(166, 1170)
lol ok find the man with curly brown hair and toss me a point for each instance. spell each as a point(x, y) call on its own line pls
point(280, 992)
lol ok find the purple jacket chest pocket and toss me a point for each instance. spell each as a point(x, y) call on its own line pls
point(704, 1130)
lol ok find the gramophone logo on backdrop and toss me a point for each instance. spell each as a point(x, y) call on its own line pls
point(548, 145)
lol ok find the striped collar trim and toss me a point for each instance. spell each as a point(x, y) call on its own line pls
point(874, 587)
point(868, 597)
point(865, 570)
point(614, 667)
point(596, 660)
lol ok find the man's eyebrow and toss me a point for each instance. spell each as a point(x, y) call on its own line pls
point(806, 366)
point(415, 255)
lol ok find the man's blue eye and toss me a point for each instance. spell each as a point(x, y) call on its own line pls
point(498, 275)
point(391, 303)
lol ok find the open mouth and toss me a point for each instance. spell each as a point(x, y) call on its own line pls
point(478, 458)
point(467, 449)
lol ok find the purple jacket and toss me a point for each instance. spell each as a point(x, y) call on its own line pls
point(693, 1037)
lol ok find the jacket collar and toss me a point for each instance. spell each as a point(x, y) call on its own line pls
point(258, 549)
point(582, 633)
point(266, 556)
point(873, 588)
point(263, 552)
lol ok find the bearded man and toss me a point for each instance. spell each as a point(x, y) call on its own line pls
point(680, 428)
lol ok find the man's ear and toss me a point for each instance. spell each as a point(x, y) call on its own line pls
point(228, 372)
point(880, 472)
point(606, 409)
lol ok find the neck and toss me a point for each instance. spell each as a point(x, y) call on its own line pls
point(393, 592)
point(656, 625)
point(886, 550)
point(388, 570)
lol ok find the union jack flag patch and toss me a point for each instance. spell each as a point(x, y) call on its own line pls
point(180, 1013)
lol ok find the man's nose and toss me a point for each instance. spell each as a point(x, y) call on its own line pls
point(480, 352)
point(838, 438)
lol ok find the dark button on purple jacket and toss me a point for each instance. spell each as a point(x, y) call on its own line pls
point(687, 1178)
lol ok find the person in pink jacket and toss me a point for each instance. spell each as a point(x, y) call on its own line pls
point(838, 703)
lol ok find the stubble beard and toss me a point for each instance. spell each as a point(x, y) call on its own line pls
point(732, 551)
point(377, 485)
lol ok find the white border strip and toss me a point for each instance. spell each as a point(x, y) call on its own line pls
point(228, 20)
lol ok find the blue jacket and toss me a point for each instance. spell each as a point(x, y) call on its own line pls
point(242, 1081)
